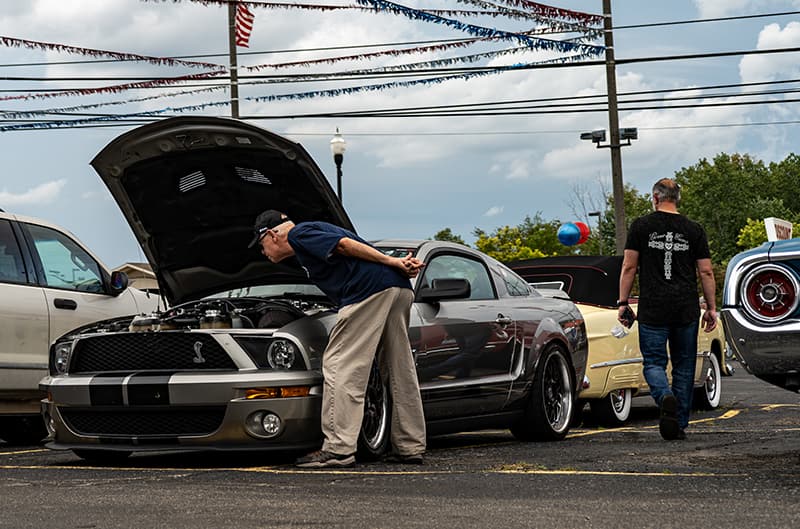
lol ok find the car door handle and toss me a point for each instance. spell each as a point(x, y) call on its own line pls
point(68, 304)
point(502, 320)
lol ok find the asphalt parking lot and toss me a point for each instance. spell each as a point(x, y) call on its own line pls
point(740, 467)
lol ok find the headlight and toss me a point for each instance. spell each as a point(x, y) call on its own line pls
point(769, 293)
point(61, 355)
point(273, 353)
point(282, 354)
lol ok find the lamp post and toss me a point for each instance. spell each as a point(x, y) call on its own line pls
point(599, 235)
point(338, 146)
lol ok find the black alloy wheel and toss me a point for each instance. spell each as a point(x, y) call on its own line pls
point(373, 439)
point(552, 399)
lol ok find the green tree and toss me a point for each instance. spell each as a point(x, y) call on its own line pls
point(636, 205)
point(448, 235)
point(723, 194)
point(506, 244)
point(535, 237)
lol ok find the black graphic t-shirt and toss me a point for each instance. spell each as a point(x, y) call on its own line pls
point(669, 246)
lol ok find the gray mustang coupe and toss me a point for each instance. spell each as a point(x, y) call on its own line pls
point(232, 359)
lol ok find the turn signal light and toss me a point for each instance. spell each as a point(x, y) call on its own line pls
point(277, 393)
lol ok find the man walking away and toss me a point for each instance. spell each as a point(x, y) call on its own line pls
point(669, 251)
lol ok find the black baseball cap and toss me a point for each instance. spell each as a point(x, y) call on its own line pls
point(266, 221)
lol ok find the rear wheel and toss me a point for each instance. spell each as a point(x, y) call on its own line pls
point(707, 396)
point(373, 439)
point(614, 409)
point(551, 402)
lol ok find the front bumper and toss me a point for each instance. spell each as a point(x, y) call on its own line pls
point(183, 411)
point(770, 353)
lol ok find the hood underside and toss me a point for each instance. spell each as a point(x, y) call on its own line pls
point(191, 188)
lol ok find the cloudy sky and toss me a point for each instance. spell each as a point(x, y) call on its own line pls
point(403, 177)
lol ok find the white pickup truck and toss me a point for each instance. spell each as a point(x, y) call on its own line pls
point(49, 284)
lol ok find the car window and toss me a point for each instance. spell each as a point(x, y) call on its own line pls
point(515, 285)
point(66, 265)
point(460, 267)
point(12, 269)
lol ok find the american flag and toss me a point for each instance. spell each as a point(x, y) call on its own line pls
point(244, 25)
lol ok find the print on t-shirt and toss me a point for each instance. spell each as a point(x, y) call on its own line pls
point(669, 242)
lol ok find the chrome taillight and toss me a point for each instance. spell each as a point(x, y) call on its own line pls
point(769, 293)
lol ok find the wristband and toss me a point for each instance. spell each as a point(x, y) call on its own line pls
point(622, 303)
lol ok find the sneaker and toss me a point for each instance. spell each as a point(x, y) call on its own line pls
point(681, 435)
point(407, 459)
point(324, 459)
point(668, 424)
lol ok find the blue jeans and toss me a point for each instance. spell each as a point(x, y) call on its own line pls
point(682, 340)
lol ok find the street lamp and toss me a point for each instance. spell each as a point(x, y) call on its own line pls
point(338, 146)
point(599, 235)
point(615, 147)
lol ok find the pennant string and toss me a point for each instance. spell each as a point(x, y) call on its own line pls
point(49, 46)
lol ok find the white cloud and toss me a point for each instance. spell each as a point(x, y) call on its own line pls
point(42, 194)
point(775, 65)
point(493, 211)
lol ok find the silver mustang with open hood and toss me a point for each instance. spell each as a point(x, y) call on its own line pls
point(233, 360)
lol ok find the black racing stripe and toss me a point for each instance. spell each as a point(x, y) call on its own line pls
point(149, 389)
point(106, 390)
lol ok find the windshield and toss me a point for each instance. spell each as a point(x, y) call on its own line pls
point(270, 291)
point(397, 251)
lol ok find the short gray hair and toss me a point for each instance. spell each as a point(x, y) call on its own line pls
point(667, 190)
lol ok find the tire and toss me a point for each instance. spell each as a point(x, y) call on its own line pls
point(373, 439)
point(707, 396)
point(614, 409)
point(551, 403)
point(102, 457)
point(27, 430)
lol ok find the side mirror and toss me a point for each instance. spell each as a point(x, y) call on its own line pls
point(118, 283)
point(445, 289)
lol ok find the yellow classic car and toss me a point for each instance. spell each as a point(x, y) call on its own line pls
point(614, 368)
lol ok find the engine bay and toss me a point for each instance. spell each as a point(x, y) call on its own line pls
point(219, 313)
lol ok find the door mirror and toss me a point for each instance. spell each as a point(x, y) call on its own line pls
point(118, 283)
point(441, 289)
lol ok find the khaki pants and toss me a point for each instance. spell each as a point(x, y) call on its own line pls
point(378, 324)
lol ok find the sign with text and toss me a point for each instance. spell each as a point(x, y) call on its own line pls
point(778, 229)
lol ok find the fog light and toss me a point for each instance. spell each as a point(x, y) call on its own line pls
point(263, 424)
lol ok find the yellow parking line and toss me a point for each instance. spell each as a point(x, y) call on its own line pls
point(727, 415)
point(665, 474)
point(770, 407)
point(18, 452)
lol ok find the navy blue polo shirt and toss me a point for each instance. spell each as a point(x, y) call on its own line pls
point(345, 280)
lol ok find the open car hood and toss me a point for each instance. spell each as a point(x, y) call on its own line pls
point(191, 188)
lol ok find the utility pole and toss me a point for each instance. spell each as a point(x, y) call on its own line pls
point(234, 66)
point(620, 230)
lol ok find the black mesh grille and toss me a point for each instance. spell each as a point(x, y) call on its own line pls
point(139, 422)
point(136, 351)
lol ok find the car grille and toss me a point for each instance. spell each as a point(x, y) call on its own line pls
point(137, 351)
point(117, 422)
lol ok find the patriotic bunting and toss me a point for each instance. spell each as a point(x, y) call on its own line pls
point(584, 27)
point(47, 46)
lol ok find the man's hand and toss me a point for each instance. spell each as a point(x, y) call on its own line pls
point(709, 320)
point(410, 265)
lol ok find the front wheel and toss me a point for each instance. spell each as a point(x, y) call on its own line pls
point(707, 396)
point(373, 439)
point(549, 411)
point(614, 409)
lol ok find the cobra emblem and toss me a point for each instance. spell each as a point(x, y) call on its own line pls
point(198, 355)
